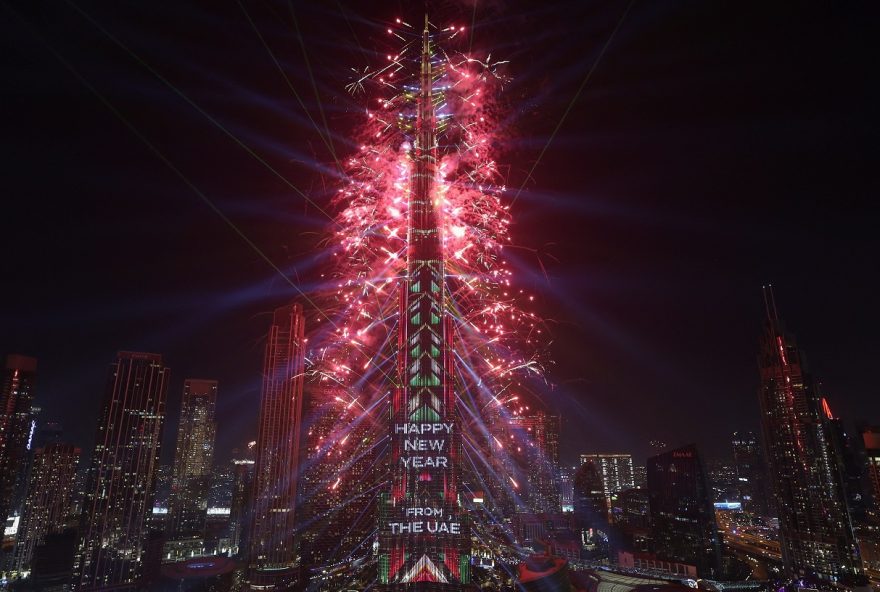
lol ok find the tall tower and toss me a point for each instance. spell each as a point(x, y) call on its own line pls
point(423, 538)
point(193, 458)
point(47, 503)
point(16, 397)
point(815, 531)
point(272, 554)
point(122, 476)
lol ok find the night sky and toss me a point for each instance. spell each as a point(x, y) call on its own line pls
point(717, 146)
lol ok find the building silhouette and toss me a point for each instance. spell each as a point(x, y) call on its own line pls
point(272, 556)
point(339, 475)
point(47, 504)
point(16, 401)
point(535, 456)
point(242, 497)
point(590, 502)
point(683, 528)
point(193, 460)
point(751, 473)
point(816, 536)
point(871, 442)
point(118, 501)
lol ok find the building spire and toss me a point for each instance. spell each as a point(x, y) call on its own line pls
point(770, 302)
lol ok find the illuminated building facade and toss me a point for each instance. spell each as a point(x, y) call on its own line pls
point(336, 487)
point(242, 497)
point(814, 526)
point(591, 509)
point(424, 543)
point(536, 452)
point(871, 442)
point(194, 458)
point(590, 503)
point(272, 556)
point(122, 476)
point(616, 471)
point(47, 504)
point(751, 473)
point(566, 488)
point(16, 398)
point(682, 513)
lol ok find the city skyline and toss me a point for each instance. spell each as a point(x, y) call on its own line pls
point(622, 298)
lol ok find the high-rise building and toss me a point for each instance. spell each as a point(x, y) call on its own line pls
point(272, 556)
point(242, 497)
point(194, 457)
point(871, 442)
point(16, 399)
point(816, 536)
point(338, 476)
point(591, 509)
point(851, 465)
point(47, 503)
point(616, 471)
point(122, 476)
point(640, 475)
point(751, 473)
point(424, 541)
point(722, 480)
point(566, 488)
point(534, 450)
point(682, 513)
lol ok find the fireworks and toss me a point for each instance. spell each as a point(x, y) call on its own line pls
point(497, 343)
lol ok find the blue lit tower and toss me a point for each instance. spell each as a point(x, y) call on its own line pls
point(424, 542)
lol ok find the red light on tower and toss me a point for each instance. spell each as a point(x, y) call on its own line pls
point(826, 408)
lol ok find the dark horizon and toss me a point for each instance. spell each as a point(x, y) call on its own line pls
point(713, 150)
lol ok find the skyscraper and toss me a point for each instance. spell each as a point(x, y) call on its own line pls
point(338, 476)
point(242, 497)
point(193, 458)
point(815, 531)
point(616, 471)
point(272, 555)
point(47, 503)
point(590, 502)
point(122, 475)
point(591, 510)
point(871, 441)
point(16, 397)
point(682, 514)
point(423, 540)
point(536, 456)
point(751, 473)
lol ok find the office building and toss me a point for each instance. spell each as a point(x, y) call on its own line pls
point(871, 443)
point(814, 526)
point(751, 473)
point(682, 512)
point(16, 424)
point(122, 477)
point(193, 461)
point(273, 557)
point(616, 470)
point(242, 497)
point(47, 504)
